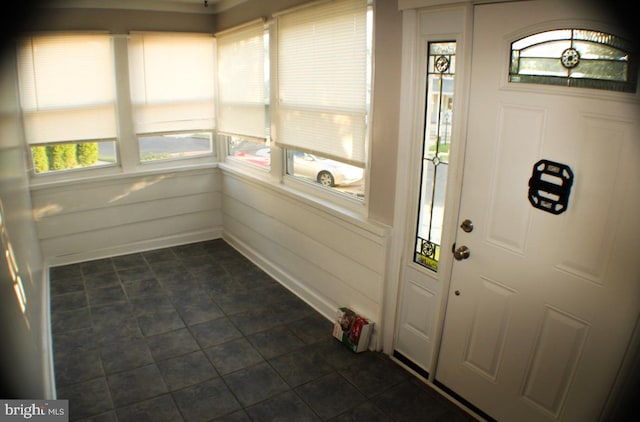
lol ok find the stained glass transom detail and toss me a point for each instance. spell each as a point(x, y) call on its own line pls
point(576, 58)
point(441, 66)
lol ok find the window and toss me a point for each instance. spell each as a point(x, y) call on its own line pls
point(323, 82)
point(67, 93)
point(174, 145)
point(435, 155)
point(172, 94)
point(249, 151)
point(243, 81)
point(327, 172)
point(243, 93)
point(574, 57)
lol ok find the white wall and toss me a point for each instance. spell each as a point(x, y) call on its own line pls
point(90, 219)
point(25, 362)
point(327, 258)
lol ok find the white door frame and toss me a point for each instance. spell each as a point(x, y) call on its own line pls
point(412, 109)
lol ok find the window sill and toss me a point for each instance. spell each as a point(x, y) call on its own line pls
point(348, 215)
point(41, 182)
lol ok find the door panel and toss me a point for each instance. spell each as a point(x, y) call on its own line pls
point(416, 318)
point(540, 314)
point(508, 217)
point(487, 337)
point(553, 364)
point(596, 196)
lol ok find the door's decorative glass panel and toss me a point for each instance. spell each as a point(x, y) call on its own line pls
point(435, 156)
point(574, 57)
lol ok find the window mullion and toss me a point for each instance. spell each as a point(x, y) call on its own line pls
point(127, 141)
point(278, 169)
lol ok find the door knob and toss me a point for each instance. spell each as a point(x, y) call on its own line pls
point(461, 253)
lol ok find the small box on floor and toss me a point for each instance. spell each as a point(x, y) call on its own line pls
point(352, 330)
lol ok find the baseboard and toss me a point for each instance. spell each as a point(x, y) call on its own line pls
point(48, 371)
point(320, 304)
point(141, 246)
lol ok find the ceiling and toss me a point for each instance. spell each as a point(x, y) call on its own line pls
point(186, 6)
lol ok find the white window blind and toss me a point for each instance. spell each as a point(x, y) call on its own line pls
point(242, 89)
point(172, 81)
point(67, 87)
point(322, 80)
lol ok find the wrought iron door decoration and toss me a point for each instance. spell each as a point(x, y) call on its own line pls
point(550, 186)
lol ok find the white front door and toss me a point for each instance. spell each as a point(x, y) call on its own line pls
point(540, 313)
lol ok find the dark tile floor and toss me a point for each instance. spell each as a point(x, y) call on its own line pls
point(198, 333)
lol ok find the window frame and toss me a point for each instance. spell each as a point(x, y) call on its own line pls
point(226, 137)
point(319, 24)
point(256, 26)
point(277, 172)
point(311, 188)
point(137, 135)
point(257, 169)
point(58, 172)
point(211, 153)
point(126, 145)
point(30, 94)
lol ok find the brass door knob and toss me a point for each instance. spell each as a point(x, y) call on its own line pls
point(461, 253)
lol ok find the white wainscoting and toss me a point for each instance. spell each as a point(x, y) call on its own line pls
point(326, 258)
point(93, 219)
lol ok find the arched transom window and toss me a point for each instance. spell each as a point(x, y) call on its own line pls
point(574, 57)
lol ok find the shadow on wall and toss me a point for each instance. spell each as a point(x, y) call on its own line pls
point(21, 353)
point(25, 352)
point(25, 359)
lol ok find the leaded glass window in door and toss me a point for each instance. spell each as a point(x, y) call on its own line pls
point(575, 58)
point(435, 155)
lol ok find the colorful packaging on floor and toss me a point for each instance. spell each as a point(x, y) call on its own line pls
point(352, 330)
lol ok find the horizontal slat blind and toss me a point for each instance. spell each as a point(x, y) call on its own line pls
point(67, 87)
point(322, 80)
point(172, 81)
point(242, 93)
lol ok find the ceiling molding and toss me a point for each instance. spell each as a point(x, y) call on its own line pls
point(182, 6)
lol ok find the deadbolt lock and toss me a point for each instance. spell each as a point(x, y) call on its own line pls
point(467, 226)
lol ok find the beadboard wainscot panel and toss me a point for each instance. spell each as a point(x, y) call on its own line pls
point(327, 258)
point(107, 217)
